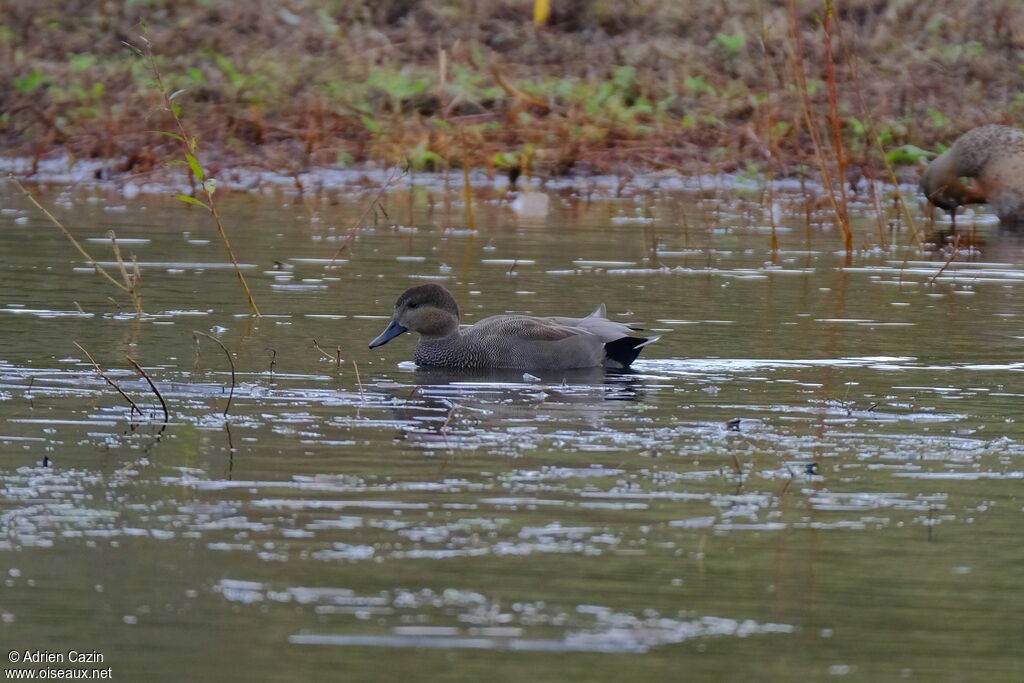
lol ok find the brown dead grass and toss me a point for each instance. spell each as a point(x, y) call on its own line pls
point(292, 84)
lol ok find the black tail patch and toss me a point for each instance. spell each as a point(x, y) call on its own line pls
point(622, 352)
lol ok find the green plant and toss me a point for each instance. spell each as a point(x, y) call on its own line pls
point(398, 86)
point(28, 83)
point(421, 157)
point(733, 44)
point(937, 117)
point(906, 155)
point(190, 147)
point(697, 85)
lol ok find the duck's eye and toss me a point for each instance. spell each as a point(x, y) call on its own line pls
point(414, 305)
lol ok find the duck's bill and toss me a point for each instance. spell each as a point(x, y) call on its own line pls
point(389, 333)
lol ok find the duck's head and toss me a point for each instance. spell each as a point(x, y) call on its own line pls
point(943, 188)
point(429, 310)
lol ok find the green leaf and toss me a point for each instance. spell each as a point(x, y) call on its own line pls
point(937, 117)
point(28, 83)
point(780, 129)
point(210, 186)
point(905, 155)
point(229, 69)
point(134, 49)
point(192, 200)
point(371, 125)
point(197, 170)
point(733, 44)
point(168, 134)
point(697, 84)
point(175, 94)
point(623, 77)
point(81, 62)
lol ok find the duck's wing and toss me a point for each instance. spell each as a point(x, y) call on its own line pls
point(524, 341)
point(525, 327)
point(555, 343)
point(598, 323)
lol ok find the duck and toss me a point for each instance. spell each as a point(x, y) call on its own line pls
point(993, 156)
point(508, 341)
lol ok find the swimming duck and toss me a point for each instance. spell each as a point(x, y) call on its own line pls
point(994, 157)
point(520, 342)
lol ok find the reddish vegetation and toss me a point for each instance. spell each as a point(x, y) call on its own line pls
point(709, 85)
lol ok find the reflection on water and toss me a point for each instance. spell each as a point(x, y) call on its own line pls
point(814, 472)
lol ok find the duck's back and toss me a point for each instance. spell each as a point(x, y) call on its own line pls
point(976, 149)
point(523, 341)
point(994, 155)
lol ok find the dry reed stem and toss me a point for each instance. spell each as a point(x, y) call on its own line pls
point(448, 419)
point(905, 210)
point(467, 189)
point(836, 125)
point(131, 281)
point(869, 121)
point(359, 382)
point(152, 385)
point(952, 256)
point(515, 93)
point(800, 75)
point(99, 371)
point(195, 335)
point(81, 250)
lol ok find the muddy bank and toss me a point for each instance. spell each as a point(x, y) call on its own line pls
point(603, 88)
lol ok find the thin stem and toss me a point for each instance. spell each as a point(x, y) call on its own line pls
point(81, 250)
point(353, 230)
point(152, 385)
point(99, 371)
point(195, 335)
point(189, 144)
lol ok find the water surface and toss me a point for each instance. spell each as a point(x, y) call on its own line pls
point(814, 474)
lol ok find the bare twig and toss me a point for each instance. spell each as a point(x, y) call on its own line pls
point(521, 98)
point(952, 256)
point(131, 281)
point(152, 385)
point(81, 250)
point(195, 335)
point(467, 189)
point(354, 228)
point(336, 358)
point(99, 371)
point(359, 382)
point(448, 419)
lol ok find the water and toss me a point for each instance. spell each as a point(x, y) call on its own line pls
point(814, 475)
